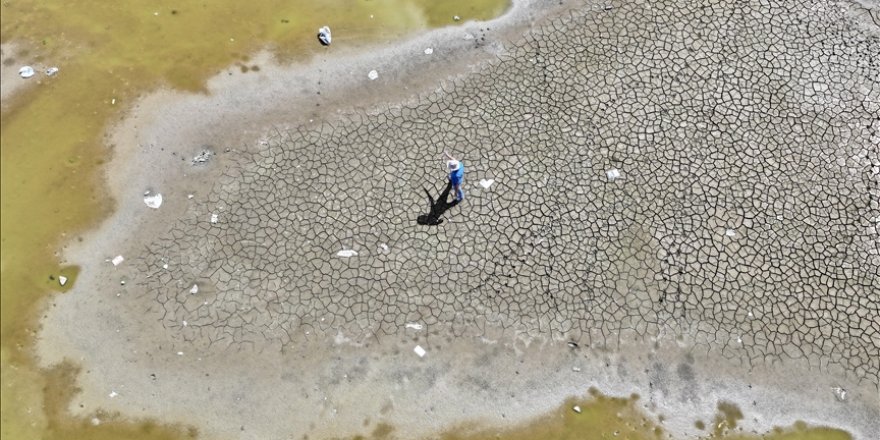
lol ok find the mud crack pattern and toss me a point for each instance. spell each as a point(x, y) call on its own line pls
point(744, 211)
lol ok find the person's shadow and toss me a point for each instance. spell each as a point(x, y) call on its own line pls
point(438, 207)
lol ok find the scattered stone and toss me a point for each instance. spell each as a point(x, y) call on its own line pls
point(576, 369)
point(730, 233)
point(414, 325)
point(165, 266)
point(202, 158)
point(122, 283)
point(383, 247)
point(456, 18)
point(117, 260)
point(185, 323)
point(52, 71)
point(839, 393)
point(194, 289)
point(153, 201)
point(373, 75)
point(324, 36)
point(346, 253)
point(486, 183)
point(420, 351)
point(215, 218)
point(572, 344)
point(180, 353)
point(62, 280)
point(468, 37)
point(113, 394)
point(612, 174)
point(576, 409)
point(26, 72)
point(429, 51)
point(96, 421)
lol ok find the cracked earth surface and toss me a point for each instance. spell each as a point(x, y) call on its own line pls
point(745, 213)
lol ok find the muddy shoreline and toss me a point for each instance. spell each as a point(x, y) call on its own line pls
point(325, 382)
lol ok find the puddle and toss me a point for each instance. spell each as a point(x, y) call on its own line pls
point(109, 54)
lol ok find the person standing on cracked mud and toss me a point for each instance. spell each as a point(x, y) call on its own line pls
point(456, 175)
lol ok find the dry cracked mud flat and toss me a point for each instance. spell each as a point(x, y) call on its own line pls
point(687, 191)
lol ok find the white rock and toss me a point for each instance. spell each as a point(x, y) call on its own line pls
point(730, 233)
point(194, 289)
point(346, 253)
point(113, 394)
point(62, 280)
point(180, 353)
point(165, 266)
point(117, 260)
point(96, 421)
point(420, 351)
point(576, 369)
point(153, 201)
point(429, 51)
point(373, 75)
point(414, 325)
point(576, 409)
point(839, 393)
point(612, 174)
point(383, 247)
point(51, 71)
point(215, 218)
point(185, 323)
point(456, 18)
point(26, 72)
point(486, 183)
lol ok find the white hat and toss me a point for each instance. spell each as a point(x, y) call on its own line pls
point(453, 165)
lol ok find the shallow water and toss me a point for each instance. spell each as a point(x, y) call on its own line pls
point(109, 54)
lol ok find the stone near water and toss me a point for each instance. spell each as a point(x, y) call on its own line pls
point(324, 36)
point(26, 72)
point(51, 71)
point(62, 280)
point(576, 409)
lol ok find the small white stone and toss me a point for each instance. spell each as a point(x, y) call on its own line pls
point(730, 233)
point(429, 51)
point(165, 266)
point(576, 369)
point(194, 289)
point(26, 72)
point(113, 101)
point(180, 353)
point(612, 174)
point(346, 253)
point(373, 75)
point(420, 351)
point(456, 18)
point(839, 393)
point(51, 71)
point(384, 247)
point(189, 196)
point(576, 409)
point(113, 394)
point(486, 183)
point(185, 323)
point(96, 421)
point(153, 201)
point(62, 280)
point(117, 260)
point(122, 283)
point(215, 218)
point(414, 325)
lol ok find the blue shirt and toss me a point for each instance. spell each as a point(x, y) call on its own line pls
point(455, 177)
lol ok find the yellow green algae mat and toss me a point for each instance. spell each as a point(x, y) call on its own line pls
point(600, 417)
point(110, 53)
